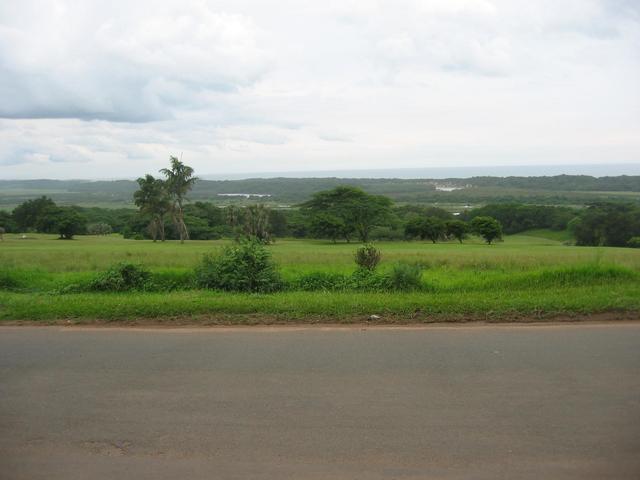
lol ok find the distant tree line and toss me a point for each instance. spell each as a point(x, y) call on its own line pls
point(344, 213)
point(43, 215)
point(606, 224)
point(516, 218)
point(549, 190)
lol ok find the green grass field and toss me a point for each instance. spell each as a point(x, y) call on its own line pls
point(532, 276)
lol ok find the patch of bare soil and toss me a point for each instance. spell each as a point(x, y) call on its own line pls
point(360, 321)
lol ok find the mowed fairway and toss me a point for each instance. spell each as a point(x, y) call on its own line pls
point(524, 276)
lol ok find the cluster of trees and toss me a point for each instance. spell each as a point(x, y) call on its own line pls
point(516, 217)
point(551, 190)
point(608, 224)
point(43, 215)
point(345, 212)
point(434, 229)
point(622, 183)
point(342, 213)
point(158, 198)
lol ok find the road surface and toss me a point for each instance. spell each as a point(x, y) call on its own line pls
point(481, 402)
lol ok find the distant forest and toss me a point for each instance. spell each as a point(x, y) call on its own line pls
point(551, 190)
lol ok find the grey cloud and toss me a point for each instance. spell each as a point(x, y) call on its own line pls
point(112, 88)
point(141, 69)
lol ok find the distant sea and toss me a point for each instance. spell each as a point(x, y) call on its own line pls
point(448, 172)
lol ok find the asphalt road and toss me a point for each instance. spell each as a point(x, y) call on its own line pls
point(481, 402)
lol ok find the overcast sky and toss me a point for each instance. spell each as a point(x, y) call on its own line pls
point(110, 89)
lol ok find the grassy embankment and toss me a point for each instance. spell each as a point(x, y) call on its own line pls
point(526, 276)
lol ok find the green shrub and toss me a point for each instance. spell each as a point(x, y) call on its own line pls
point(320, 281)
point(368, 280)
point(404, 277)
point(121, 277)
point(634, 242)
point(244, 267)
point(367, 257)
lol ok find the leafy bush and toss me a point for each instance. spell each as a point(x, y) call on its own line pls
point(320, 281)
point(121, 277)
point(634, 242)
point(367, 279)
point(244, 267)
point(404, 277)
point(367, 257)
point(99, 228)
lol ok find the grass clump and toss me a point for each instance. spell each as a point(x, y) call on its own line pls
point(244, 267)
point(404, 277)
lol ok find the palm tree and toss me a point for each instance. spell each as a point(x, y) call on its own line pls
point(257, 223)
point(153, 200)
point(179, 180)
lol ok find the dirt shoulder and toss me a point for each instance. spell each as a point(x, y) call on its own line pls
point(390, 321)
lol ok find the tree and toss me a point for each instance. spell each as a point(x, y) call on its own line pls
point(31, 214)
point(2, 232)
point(68, 223)
point(326, 225)
point(457, 229)
point(610, 224)
point(487, 227)
point(432, 228)
point(153, 200)
point(256, 223)
point(278, 223)
point(359, 211)
point(6, 222)
point(179, 181)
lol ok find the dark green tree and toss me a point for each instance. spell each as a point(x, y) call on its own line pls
point(487, 227)
point(153, 200)
point(359, 211)
point(432, 228)
point(326, 225)
point(277, 223)
point(457, 229)
point(7, 223)
point(68, 223)
point(610, 224)
point(30, 215)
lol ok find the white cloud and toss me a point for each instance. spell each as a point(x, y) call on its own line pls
point(95, 89)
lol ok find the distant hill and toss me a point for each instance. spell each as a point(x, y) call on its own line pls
point(560, 189)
